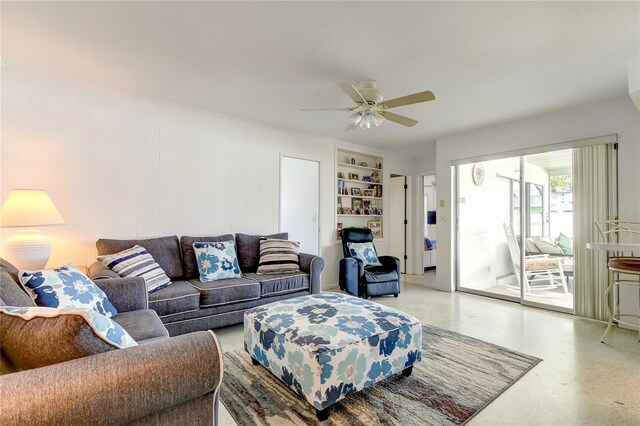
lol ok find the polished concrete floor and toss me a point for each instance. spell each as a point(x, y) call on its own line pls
point(580, 381)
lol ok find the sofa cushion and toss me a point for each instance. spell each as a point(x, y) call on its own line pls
point(12, 293)
point(165, 251)
point(37, 337)
point(137, 262)
point(189, 262)
point(248, 247)
point(217, 261)
point(271, 285)
point(547, 246)
point(177, 298)
point(278, 256)
point(65, 288)
point(230, 290)
point(142, 324)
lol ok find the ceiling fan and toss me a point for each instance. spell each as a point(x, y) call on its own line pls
point(372, 109)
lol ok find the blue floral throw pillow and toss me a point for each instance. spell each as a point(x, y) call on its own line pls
point(36, 337)
point(364, 252)
point(66, 288)
point(217, 261)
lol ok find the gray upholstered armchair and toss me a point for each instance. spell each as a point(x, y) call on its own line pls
point(364, 281)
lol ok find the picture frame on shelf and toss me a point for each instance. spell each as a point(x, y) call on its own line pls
point(368, 193)
point(366, 206)
point(376, 228)
point(339, 230)
point(355, 191)
point(356, 205)
point(354, 176)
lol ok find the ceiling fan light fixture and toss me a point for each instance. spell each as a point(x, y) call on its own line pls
point(377, 118)
point(355, 118)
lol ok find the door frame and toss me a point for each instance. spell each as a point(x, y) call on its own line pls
point(521, 153)
point(319, 214)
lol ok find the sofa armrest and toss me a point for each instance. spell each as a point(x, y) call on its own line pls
point(390, 263)
point(125, 294)
point(312, 265)
point(97, 271)
point(115, 387)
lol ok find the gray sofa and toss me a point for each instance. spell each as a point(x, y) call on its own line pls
point(188, 304)
point(138, 385)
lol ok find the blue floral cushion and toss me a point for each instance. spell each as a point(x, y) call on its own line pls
point(217, 260)
point(66, 288)
point(365, 252)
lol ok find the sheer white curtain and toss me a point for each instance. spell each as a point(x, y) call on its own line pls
point(594, 199)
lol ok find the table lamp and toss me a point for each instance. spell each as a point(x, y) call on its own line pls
point(28, 209)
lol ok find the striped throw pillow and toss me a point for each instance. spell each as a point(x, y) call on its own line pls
point(137, 262)
point(278, 256)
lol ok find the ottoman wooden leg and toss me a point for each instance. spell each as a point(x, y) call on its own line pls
point(254, 361)
point(407, 371)
point(322, 415)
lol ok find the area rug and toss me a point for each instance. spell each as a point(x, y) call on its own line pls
point(457, 377)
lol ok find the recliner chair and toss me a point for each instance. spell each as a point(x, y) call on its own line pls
point(366, 281)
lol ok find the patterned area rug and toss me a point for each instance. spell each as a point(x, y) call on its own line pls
point(457, 377)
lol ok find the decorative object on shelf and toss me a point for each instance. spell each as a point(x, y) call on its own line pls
point(339, 230)
point(355, 191)
point(379, 165)
point(367, 192)
point(347, 210)
point(340, 175)
point(375, 177)
point(366, 205)
point(352, 161)
point(364, 164)
point(356, 205)
point(376, 228)
point(367, 179)
point(29, 208)
point(354, 176)
point(478, 174)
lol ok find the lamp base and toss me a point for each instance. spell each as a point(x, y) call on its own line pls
point(28, 250)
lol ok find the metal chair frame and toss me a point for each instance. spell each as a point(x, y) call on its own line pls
point(614, 231)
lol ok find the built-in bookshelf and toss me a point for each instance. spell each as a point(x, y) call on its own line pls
point(359, 191)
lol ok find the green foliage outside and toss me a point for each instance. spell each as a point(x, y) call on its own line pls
point(560, 183)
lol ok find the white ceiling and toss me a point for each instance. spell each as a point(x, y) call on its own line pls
point(263, 61)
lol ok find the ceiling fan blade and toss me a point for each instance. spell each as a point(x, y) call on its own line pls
point(353, 93)
point(329, 109)
point(350, 127)
point(400, 119)
point(408, 100)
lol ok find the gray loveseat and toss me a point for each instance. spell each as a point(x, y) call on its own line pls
point(138, 385)
point(188, 304)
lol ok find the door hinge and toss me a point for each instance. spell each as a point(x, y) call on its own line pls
point(405, 257)
point(406, 222)
point(406, 186)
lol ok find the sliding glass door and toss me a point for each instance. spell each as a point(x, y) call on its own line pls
point(511, 212)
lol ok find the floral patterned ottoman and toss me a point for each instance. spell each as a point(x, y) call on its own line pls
point(327, 346)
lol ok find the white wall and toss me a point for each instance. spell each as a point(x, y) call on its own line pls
point(120, 165)
point(602, 118)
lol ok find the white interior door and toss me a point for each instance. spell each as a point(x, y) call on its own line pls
point(396, 234)
point(299, 202)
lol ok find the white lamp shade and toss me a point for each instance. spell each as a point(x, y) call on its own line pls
point(29, 208)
